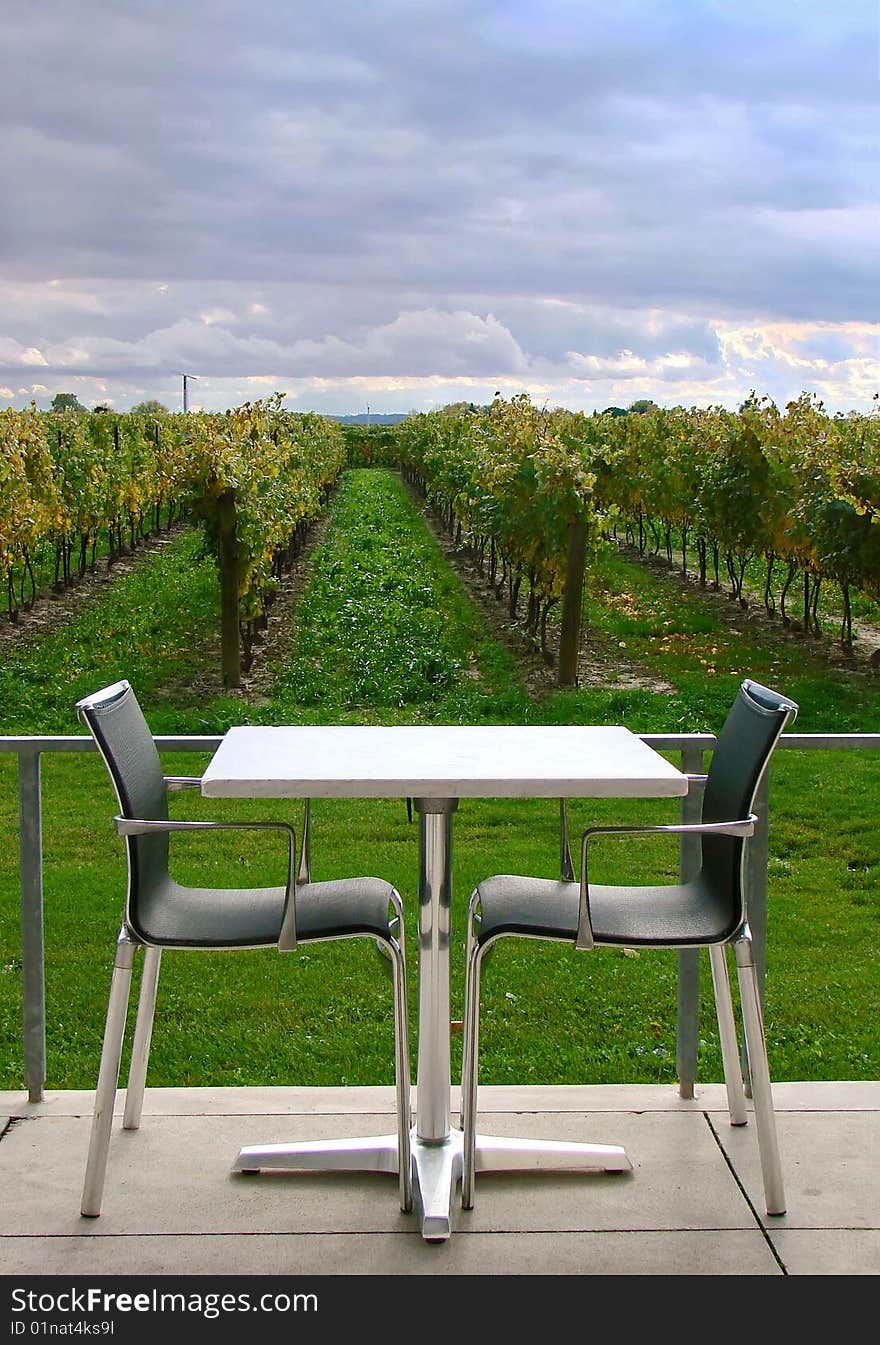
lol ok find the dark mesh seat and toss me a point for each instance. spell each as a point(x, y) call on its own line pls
point(174, 916)
point(680, 915)
point(709, 910)
point(162, 913)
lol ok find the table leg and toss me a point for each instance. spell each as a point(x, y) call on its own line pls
point(435, 897)
point(436, 1147)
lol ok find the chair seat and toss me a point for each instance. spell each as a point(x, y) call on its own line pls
point(343, 906)
point(203, 917)
point(678, 915)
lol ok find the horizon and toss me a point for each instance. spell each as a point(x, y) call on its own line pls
point(374, 415)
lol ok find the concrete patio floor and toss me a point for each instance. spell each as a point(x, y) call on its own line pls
point(692, 1205)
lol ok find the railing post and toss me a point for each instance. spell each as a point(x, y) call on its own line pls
point(756, 887)
point(32, 961)
point(688, 1027)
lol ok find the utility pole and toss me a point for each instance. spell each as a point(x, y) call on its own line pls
point(185, 377)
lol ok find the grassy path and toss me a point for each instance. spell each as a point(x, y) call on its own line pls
point(384, 628)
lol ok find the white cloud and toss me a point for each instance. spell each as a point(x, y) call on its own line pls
point(16, 356)
point(428, 355)
point(216, 317)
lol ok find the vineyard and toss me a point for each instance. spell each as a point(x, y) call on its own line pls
point(255, 477)
point(533, 492)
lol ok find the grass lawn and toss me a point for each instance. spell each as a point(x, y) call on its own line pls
point(384, 633)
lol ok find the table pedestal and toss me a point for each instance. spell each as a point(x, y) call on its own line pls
point(436, 1164)
point(436, 1146)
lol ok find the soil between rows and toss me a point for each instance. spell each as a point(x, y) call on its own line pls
point(52, 609)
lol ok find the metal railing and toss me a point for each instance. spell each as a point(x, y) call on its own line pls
point(692, 746)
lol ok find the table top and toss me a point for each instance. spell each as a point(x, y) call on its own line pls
point(439, 761)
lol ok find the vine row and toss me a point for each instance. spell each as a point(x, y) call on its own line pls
point(534, 491)
point(74, 485)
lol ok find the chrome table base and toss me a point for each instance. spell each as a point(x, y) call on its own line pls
point(437, 1168)
point(436, 1164)
point(376, 1153)
point(437, 1146)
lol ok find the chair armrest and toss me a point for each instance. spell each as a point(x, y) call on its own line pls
point(137, 826)
point(739, 827)
point(304, 873)
point(566, 867)
point(176, 782)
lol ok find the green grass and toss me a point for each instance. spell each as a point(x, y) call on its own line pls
point(158, 626)
point(396, 640)
point(384, 628)
point(830, 607)
point(43, 565)
point(640, 618)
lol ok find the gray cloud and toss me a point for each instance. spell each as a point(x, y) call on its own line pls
point(441, 189)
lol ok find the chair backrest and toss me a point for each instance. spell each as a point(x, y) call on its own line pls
point(742, 754)
point(117, 724)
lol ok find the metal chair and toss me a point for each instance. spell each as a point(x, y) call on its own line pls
point(161, 913)
point(710, 910)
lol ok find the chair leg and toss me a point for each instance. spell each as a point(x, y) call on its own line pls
point(108, 1077)
point(765, 1119)
point(401, 1063)
point(736, 1098)
point(143, 1032)
point(465, 1035)
point(470, 1061)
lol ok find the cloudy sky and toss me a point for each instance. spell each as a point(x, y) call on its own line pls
point(396, 204)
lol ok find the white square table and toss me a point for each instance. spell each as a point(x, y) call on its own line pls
point(436, 766)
